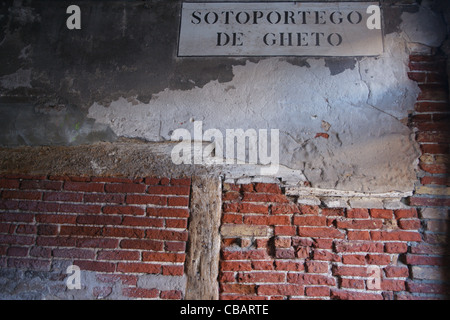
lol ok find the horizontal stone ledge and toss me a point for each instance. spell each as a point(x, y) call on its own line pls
point(305, 191)
point(241, 230)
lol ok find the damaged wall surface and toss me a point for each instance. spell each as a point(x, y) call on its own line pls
point(87, 172)
point(340, 119)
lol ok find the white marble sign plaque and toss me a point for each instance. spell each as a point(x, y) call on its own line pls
point(280, 29)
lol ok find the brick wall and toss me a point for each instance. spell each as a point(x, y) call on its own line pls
point(275, 248)
point(119, 229)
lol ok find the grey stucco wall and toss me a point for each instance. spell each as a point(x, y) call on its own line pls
point(119, 76)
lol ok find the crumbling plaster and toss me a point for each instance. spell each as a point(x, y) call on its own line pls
point(120, 77)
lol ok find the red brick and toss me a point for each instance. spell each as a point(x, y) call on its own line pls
point(305, 209)
point(171, 295)
point(39, 206)
point(395, 236)
point(437, 202)
point(104, 198)
point(16, 217)
point(378, 259)
point(87, 265)
point(118, 255)
point(168, 212)
point(73, 253)
point(231, 196)
point(178, 201)
point(333, 212)
point(79, 208)
point(409, 224)
point(113, 278)
point(317, 291)
point(259, 277)
point(98, 219)
point(17, 252)
point(350, 271)
point(435, 180)
point(175, 246)
point(138, 267)
point(353, 283)
point(421, 287)
point(338, 294)
point(40, 252)
point(255, 220)
point(358, 259)
point(320, 232)
point(316, 267)
point(358, 235)
point(26, 229)
point(125, 188)
point(106, 243)
point(360, 224)
point(142, 221)
point(9, 183)
point(123, 232)
point(279, 220)
point(264, 197)
point(46, 229)
point(180, 181)
point(247, 187)
point(281, 265)
point(29, 264)
point(55, 241)
point(263, 265)
point(125, 210)
point(63, 196)
point(146, 199)
point(21, 195)
point(434, 168)
point(282, 253)
point(172, 270)
point(246, 289)
point(84, 186)
point(16, 240)
point(435, 148)
point(359, 246)
point(235, 266)
point(56, 218)
point(395, 247)
point(280, 289)
point(40, 185)
point(253, 208)
point(381, 213)
point(245, 255)
point(357, 213)
point(167, 234)
point(140, 293)
point(396, 272)
point(393, 285)
point(405, 213)
point(284, 231)
point(267, 188)
point(324, 255)
point(431, 136)
point(431, 106)
point(310, 220)
point(282, 208)
point(80, 231)
point(163, 256)
point(142, 244)
point(166, 190)
point(232, 218)
point(414, 259)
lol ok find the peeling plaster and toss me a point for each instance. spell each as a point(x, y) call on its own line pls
point(274, 94)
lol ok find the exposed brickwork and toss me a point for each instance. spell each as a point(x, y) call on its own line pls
point(119, 228)
point(321, 253)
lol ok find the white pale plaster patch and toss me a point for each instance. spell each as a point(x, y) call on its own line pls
point(368, 148)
